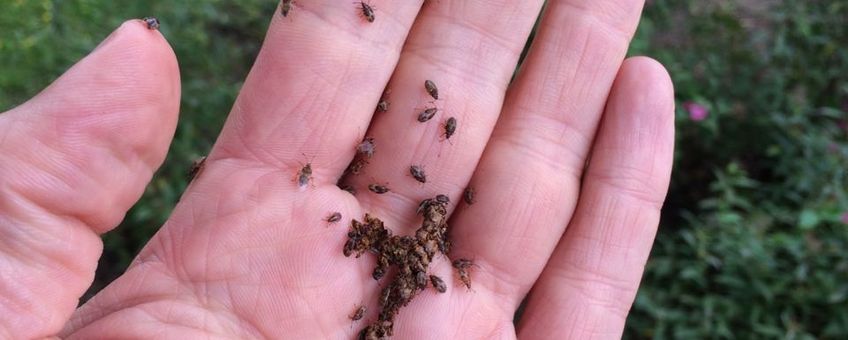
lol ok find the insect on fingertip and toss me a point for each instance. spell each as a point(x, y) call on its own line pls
point(285, 7)
point(151, 22)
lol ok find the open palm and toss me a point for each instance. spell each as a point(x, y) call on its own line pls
point(581, 140)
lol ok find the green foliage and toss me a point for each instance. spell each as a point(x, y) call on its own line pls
point(752, 243)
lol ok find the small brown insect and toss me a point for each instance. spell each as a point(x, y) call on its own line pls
point(462, 263)
point(152, 23)
point(444, 246)
point(405, 292)
point(348, 247)
point(355, 167)
point(450, 127)
point(468, 195)
point(378, 273)
point(431, 88)
point(196, 168)
point(285, 7)
point(423, 206)
point(384, 297)
point(440, 199)
point(304, 175)
point(427, 114)
point(378, 188)
point(333, 218)
point(367, 147)
point(438, 284)
point(417, 172)
point(349, 188)
point(462, 266)
point(465, 278)
point(367, 11)
point(421, 280)
point(383, 106)
point(358, 313)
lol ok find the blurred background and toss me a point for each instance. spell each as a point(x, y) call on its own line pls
point(754, 236)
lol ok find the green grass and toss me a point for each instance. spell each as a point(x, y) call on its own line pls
point(752, 242)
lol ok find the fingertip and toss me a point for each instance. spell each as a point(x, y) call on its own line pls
point(650, 90)
point(650, 79)
point(635, 146)
point(132, 56)
point(145, 53)
point(125, 92)
point(111, 116)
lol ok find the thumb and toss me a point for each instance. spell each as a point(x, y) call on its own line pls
point(73, 160)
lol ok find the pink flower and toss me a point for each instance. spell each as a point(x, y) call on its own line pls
point(845, 218)
point(697, 112)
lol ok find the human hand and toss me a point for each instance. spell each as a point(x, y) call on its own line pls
point(246, 252)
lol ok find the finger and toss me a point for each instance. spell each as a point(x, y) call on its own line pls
point(314, 85)
point(530, 174)
point(589, 284)
point(469, 49)
point(72, 162)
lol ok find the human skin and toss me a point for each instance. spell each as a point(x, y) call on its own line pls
point(571, 162)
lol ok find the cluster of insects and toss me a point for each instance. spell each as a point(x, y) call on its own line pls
point(365, 150)
point(428, 113)
point(408, 257)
